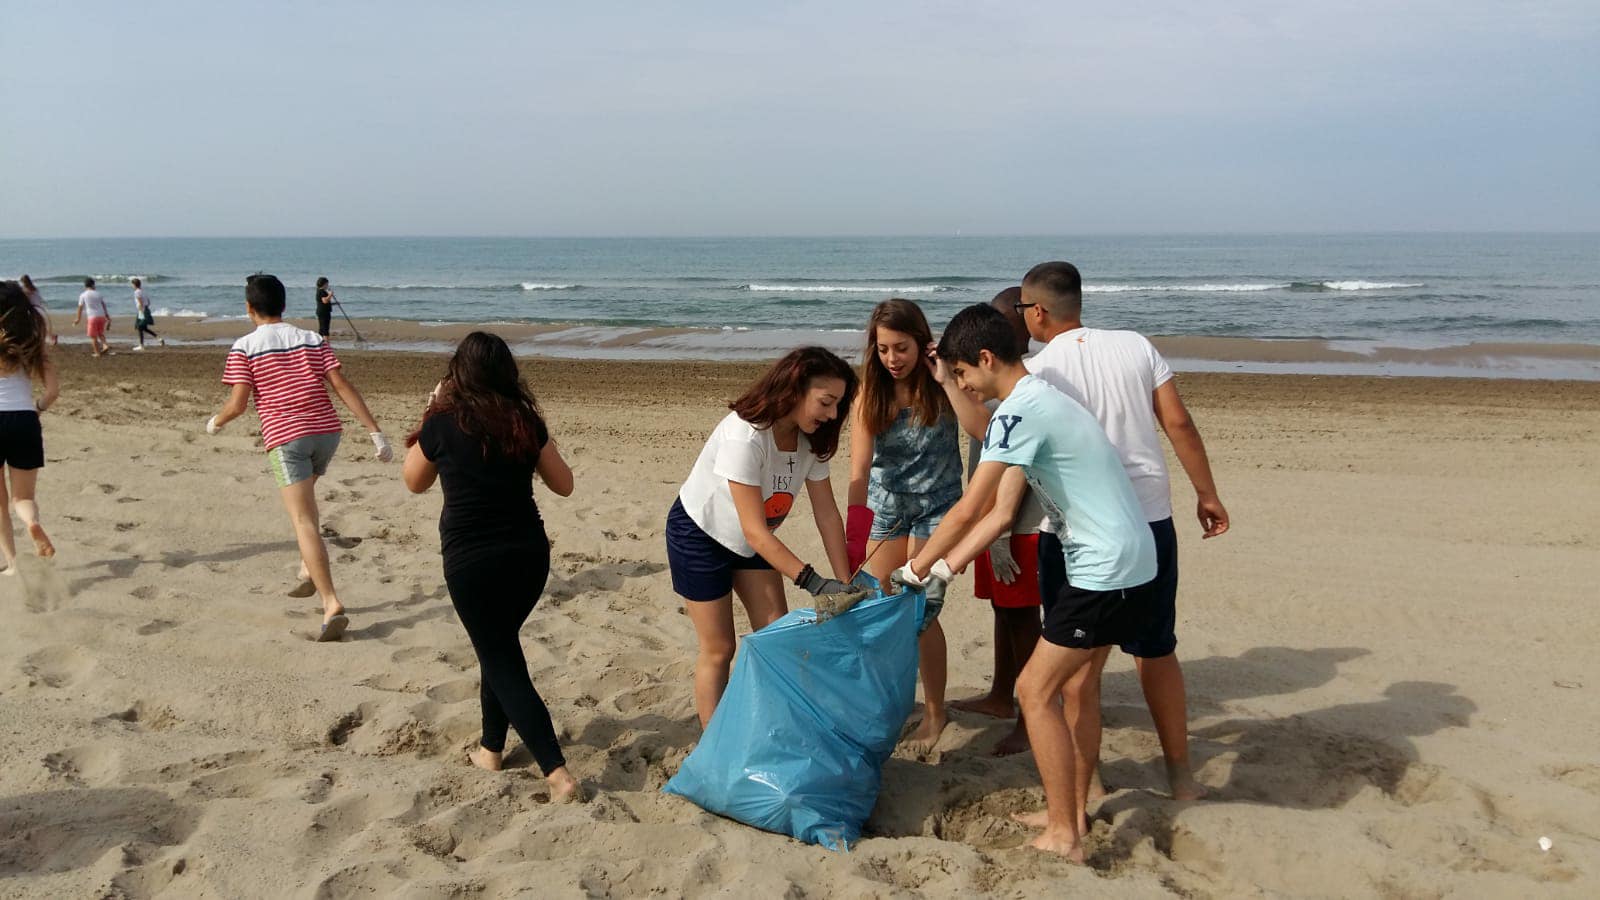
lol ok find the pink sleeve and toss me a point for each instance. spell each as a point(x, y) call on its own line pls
point(237, 369)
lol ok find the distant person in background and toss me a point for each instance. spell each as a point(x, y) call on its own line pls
point(37, 299)
point(93, 305)
point(142, 318)
point(23, 359)
point(324, 307)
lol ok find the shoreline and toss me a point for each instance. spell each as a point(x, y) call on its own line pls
point(1185, 353)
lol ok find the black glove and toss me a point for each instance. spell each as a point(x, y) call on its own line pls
point(809, 580)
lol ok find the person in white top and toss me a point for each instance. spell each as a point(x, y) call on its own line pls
point(1121, 378)
point(720, 541)
point(23, 358)
point(142, 317)
point(92, 304)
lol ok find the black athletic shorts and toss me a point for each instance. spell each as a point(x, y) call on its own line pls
point(1084, 619)
point(21, 440)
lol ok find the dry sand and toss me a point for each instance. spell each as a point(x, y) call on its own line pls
point(1390, 660)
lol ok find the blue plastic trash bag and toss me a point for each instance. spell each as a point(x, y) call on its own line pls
point(812, 711)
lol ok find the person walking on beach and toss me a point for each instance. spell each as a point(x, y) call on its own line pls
point(1123, 381)
point(37, 299)
point(23, 359)
point(905, 472)
point(484, 439)
point(142, 317)
point(1110, 561)
point(289, 370)
point(1007, 575)
point(324, 307)
point(93, 305)
point(720, 530)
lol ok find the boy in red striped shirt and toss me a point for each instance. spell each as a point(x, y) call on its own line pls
point(289, 369)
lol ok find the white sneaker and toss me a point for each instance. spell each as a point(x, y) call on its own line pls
point(136, 347)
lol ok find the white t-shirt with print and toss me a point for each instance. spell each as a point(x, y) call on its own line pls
point(92, 304)
point(739, 451)
point(1114, 375)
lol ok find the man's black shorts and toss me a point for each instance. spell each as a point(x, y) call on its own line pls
point(1083, 619)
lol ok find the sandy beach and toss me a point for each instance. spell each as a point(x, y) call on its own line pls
point(1390, 660)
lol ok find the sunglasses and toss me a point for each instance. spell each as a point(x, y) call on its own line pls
point(1020, 306)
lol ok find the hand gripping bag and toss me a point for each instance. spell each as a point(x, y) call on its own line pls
point(813, 710)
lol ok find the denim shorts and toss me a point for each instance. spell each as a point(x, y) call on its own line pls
point(897, 515)
point(302, 458)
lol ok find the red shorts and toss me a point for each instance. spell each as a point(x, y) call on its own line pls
point(97, 326)
point(1023, 591)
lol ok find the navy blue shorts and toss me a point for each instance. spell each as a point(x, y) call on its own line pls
point(1156, 633)
point(702, 569)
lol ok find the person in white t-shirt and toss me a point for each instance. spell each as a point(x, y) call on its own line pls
point(1121, 378)
point(720, 541)
point(142, 317)
point(93, 305)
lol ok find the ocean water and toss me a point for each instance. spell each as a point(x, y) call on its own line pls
point(1407, 290)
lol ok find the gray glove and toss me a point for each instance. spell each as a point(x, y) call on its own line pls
point(809, 580)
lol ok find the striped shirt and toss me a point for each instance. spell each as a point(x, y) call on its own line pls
point(285, 367)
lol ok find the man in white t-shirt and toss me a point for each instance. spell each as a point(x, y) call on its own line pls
point(93, 305)
point(1121, 378)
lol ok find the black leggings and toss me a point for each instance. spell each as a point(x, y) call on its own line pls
point(493, 597)
point(144, 328)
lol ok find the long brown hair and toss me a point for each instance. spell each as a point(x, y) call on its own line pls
point(22, 331)
point(777, 393)
point(877, 386)
point(483, 391)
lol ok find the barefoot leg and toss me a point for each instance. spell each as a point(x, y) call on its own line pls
point(8, 542)
point(1162, 681)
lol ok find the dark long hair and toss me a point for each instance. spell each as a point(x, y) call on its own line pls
point(483, 391)
point(22, 331)
point(877, 385)
point(783, 386)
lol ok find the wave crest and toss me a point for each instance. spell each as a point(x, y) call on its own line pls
point(847, 289)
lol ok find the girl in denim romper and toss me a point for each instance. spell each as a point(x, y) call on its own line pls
point(905, 472)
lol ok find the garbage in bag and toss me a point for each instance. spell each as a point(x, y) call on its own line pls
point(813, 710)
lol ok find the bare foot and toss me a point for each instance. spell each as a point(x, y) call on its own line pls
point(1061, 842)
point(988, 705)
point(926, 737)
point(41, 541)
point(1184, 787)
point(1013, 743)
point(8, 571)
point(1031, 820)
point(305, 588)
point(564, 788)
point(484, 759)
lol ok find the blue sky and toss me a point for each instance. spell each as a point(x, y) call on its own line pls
point(893, 117)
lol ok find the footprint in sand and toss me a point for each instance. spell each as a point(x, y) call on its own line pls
point(87, 765)
point(59, 666)
point(454, 691)
point(156, 627)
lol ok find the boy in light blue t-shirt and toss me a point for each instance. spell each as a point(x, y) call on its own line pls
point(1110, 554)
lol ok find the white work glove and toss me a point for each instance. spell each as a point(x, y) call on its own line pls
point(1002, 562)
point(381, 444)
point(932, 586)
point(212, 427)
